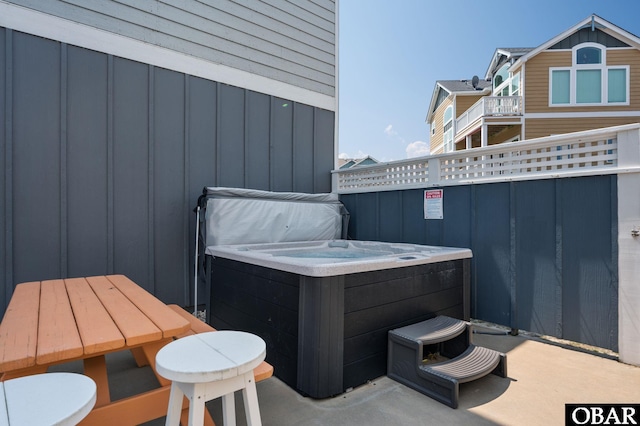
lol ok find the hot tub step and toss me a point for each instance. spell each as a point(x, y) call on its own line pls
point(441, 381)
point(450, 338)
point(434, 330)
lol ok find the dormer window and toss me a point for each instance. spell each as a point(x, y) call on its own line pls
point(589, 81)
point(588, 55)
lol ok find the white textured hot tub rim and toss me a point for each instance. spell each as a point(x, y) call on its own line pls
point(411, 255)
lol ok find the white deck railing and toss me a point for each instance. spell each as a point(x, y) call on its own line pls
point(490, 106)
point(604, 151)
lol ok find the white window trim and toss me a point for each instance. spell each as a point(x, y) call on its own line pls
point(604, 70)
point(447, 147)
point(513, 77)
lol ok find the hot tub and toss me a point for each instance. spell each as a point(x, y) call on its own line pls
point(324, 307)
point(336, 257)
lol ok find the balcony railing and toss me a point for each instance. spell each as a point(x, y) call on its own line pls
point(603, 151)
point(490, 106)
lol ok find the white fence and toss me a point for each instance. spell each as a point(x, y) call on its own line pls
point(603, 151)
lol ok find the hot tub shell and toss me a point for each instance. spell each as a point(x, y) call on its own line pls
point(325, 321)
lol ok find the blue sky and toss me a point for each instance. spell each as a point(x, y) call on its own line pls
point(392, 52)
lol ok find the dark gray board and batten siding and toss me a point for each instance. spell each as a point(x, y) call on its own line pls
point(545, 252)
point(103, 160)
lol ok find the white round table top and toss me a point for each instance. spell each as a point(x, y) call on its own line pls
point(209, 357)
point(47, 399)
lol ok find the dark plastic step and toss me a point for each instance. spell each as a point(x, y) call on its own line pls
point(474, 363)
point(434, 330)
point(441, 380)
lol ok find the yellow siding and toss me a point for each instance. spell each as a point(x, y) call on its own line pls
point(463, 103)
point(438, 124)
point(537, 81)
point(536, 128)
point(536, 86)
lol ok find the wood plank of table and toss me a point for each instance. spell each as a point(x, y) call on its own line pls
point(58, 337)
point(96, 327)
point(134, 325)
point(19, 328)
point(168, 321)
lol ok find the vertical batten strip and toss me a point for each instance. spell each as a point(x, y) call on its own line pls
point(513, 256)
point(150, 183)
point(245, 139)
point(8, 166)
point(293, 148)
point(217, 135)
point(271, 154)
point(615, 262)
point(110, 168)
point(62, 138)
point(474, 240)
point(269, 159)
point(559, 264)
point(314, 147)
point(185, 209)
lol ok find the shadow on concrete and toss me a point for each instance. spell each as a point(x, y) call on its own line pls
point(541, 378)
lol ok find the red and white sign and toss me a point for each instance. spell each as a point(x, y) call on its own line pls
point(433, 203)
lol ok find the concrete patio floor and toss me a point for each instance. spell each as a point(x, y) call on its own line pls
point(542, 377)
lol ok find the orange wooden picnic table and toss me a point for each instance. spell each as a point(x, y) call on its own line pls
point(57, 321)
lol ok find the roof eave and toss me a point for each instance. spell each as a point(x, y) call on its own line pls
point(434, 95)
point(603, 24)
point(486, 90)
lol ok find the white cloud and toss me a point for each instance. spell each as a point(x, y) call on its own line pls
point(359, 154)
point(394, 136)
point(417, 149)
point(389, 131)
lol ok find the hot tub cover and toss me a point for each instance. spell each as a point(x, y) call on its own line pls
point(246, 216)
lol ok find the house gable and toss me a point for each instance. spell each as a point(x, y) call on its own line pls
point(586, 35)
point(438, 96)
point(442, 95)
point(593, 24)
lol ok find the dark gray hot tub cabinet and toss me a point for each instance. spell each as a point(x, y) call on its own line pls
point(325, 335)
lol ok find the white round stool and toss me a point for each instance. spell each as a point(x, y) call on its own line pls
point(47, 399)
point(210, 365)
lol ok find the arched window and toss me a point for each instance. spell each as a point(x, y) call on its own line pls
point(588, 55)
point(589, 81)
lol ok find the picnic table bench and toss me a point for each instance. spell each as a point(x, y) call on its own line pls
point(57, 321)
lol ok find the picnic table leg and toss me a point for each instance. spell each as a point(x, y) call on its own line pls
point(149, 352)
point(140, 357)
point(96, 368)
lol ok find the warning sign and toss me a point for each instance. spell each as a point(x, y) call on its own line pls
point(433, 203)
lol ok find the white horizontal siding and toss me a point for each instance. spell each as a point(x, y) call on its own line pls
point(281, 40)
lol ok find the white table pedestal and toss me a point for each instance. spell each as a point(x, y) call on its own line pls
point(211, 365)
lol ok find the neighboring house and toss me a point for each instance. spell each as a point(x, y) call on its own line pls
point(585, 78)
point(347, 163)
point(115, 114)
